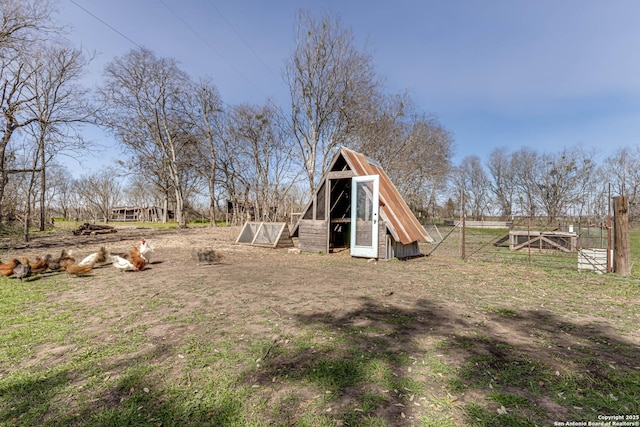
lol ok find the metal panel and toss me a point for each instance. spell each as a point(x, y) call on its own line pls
point(402, 223)
point(592, 259)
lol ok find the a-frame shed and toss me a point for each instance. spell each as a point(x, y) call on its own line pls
point(357, 206)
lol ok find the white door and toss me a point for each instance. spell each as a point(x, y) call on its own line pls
point(364, 216)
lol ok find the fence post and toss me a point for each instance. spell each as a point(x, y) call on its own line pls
point(621, 242)
point(609, 257)
point(462, 224)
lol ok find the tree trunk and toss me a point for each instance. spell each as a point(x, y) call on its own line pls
point(165, 213)
point(212, 201)
point(43, 189)
point(181, 218)
point(3, 173)
point(621, 243)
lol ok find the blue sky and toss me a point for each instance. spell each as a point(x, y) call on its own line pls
point(497, 73)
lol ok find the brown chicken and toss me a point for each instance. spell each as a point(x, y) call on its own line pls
point(40, 265)
point(78, 270)
point(22, 270)
point(54, 263)
point(7, 267)
point(136, 259)
point(66, 259)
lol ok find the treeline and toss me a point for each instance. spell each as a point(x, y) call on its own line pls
point(184, 147)
point(571, 182)
point(188, 151)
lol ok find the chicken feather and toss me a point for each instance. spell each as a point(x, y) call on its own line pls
point(77, 269)
point(8, 267)
point(121, 263)
point(136, 259)
point(95, 258)
point(22, 270)
point(146, 250)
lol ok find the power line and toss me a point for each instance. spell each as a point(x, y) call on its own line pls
point(106, 24)
point(242, 39)
point(206, 42)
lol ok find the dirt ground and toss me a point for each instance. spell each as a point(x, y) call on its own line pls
point(261, 292)
point(247, 282)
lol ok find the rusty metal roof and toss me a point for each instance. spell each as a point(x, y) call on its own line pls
point(402, 223)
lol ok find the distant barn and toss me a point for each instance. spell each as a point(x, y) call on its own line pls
point(357, 207)
point(139, 214)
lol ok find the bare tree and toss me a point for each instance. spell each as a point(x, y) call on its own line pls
point(563, 179)
point(23, 22)
point(100, 191)
point(60, 104)
point(14, 100)
point(59, 188)
point(526, 165)
point(623, 170)
point(502, 180)
point(146, 110)
point(265, 158)
point(140, 192)
point(413, 148)
point(471, 180)
point(330, 82)
point(38, 93)
point(208, 118)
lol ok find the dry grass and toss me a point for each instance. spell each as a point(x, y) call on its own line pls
point(264, 337)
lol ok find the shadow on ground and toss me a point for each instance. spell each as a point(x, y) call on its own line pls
point(512, 368)
point(368, 366)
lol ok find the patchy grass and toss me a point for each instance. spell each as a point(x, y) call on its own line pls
point(67, 224)
point(271, 339)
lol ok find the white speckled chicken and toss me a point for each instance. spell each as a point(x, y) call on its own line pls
point(146, 250)
point(95, 258)
point(122, 264)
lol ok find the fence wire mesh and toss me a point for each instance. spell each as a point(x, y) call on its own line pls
point(526, 241)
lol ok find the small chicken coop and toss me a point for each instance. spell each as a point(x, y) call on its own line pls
point(357, 207)
point(267, 234)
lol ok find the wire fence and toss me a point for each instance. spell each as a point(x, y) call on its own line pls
point(525, 240)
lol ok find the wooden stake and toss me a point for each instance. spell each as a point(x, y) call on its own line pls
point(621, 242)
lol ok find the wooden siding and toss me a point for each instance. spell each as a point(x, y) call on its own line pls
point(382, 240)
point(312, 236)
point(313, 233)
point(136, 213)
point(285, 240)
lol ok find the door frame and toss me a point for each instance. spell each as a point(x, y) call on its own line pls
point(359, 250)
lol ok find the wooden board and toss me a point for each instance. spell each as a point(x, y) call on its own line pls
point(555, 240)
point(312, 236)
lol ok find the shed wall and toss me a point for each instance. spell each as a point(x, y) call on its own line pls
point(405, 251)
point(382, 240)
point(312, 235)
